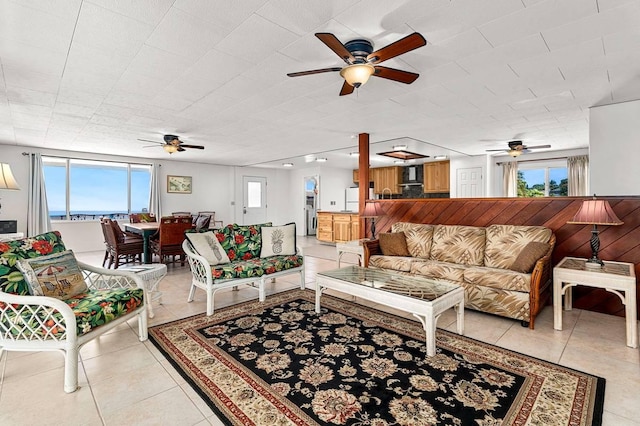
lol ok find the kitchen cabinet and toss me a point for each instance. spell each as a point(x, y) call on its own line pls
point(436, 176)
point(324, 232)
point(337, 227)
point(387, 180)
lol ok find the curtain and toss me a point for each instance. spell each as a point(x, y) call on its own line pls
point(578, 174)
point(154, 202)
point(38, 220)
point(510, 179)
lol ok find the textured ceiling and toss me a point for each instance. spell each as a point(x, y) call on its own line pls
point(94, 76)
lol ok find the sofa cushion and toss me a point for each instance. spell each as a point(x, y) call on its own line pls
point(439, 270)
point(506, 242)
point(207, 245)
point(92, 309)
point(393, 244)
point(419, 237)
point(247, 240)
point(255, 267)
point(54, 275)
point(395, 263)
point(504, 279)
point(528, 257)
point(463, 245)
point(11, 279)
point(510, 304)
point(278, 240)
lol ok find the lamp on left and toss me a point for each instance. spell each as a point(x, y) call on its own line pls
point(372, 210)
point(7, 181)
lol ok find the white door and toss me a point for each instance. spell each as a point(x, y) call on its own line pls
point(254, 199)
point(469, 183)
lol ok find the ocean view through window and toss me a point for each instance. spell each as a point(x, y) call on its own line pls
point(91, 189)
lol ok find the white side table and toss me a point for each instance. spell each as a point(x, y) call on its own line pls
point(615, 277)
point(151, 274)
point(354, 246)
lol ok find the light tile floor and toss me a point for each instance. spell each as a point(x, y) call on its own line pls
point(124, 381)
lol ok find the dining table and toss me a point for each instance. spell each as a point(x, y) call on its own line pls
point(146, 230)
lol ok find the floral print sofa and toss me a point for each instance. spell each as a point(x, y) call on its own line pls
point(242, 245)
point(478, 259)
point(38, 323)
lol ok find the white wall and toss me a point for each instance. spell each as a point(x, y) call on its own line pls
point(331, 188)
point(614, 148)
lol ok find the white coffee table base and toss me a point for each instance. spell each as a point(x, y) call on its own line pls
point(426, 311)
point(151, 274)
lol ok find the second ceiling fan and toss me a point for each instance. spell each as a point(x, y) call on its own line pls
point(517, 147)
point(362, 62)
point(172, 143)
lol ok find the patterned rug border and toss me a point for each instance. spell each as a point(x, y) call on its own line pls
point(412, 329)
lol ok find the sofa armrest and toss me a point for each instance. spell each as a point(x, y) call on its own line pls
point(371, 247)
point(540, 287)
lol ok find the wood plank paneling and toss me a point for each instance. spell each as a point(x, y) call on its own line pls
point(620, 243)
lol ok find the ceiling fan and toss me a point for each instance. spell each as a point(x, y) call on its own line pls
point(172, 143)
point(362, 62)
point(516, 148)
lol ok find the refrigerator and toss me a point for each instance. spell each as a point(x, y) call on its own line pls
point(351, 198)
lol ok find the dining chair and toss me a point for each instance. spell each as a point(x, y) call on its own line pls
point(122, 249)
point(167, 241)
point(142, 217)
point(213, 218)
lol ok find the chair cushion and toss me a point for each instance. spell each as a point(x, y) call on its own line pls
point(54, 275)
point(506, 242)
point(92, 309)
point(459, 244)
point(255, 267)
point(11, 279)
point(248, 240)
point(393, 244)
point(419, 237)
point(278, 240)
point(206, 244)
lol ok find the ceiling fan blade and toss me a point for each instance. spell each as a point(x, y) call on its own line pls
point(347, 89)
point(147, 140)
point(404, 45)
point(395, 75)
point(336, 45)
point(537, 146)
point(180, 149)
point(192, 146)
point(318, 71)
point(497, 150)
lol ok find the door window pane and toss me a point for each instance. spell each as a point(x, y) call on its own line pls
point(531, 183)
point(254, 195)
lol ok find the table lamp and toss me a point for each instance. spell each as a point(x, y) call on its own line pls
point(7, 181)
point(372, 210)
point(595, 212)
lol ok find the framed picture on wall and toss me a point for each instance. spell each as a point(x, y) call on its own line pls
point(179, 184)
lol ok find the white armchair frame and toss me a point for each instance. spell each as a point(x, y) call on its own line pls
point(203, 278)
point(69, 343)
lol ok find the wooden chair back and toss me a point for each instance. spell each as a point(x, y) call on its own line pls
point(171, 230)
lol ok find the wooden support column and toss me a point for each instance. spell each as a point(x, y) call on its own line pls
point(363, 170)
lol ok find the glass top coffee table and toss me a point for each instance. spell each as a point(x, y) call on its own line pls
point(425, 298)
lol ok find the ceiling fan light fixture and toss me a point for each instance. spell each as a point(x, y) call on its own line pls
point(170, 148)
point(357, 74)
point(515, 153)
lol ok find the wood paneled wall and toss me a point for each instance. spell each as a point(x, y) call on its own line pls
point(620, 243)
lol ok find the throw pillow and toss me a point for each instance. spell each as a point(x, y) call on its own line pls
point(278, 240)
point(55, 275)
point(393, 244)
point(206, 244)
point(528, 257)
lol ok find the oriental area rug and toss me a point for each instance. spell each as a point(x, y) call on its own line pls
point(281, 363)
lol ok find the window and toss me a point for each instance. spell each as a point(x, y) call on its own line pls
point(546, 181)
point(89, 189)
point(254, 194)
